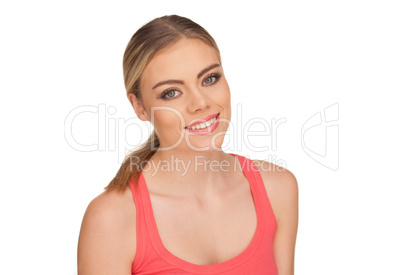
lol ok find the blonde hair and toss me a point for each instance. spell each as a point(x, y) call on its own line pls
point(144, 44)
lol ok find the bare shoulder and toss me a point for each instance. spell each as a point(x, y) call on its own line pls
point(107, 238)
point(281, 186)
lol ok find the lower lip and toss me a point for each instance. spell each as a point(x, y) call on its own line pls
point(206, 130)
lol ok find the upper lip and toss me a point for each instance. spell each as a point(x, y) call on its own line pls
point(201, 120)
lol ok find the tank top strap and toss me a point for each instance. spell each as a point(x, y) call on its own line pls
point(141, 226)
point(252, 172)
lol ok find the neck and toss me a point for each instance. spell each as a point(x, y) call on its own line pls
point(190, 169)
point(194, 163)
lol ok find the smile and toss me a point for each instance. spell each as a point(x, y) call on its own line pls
point(205, 125)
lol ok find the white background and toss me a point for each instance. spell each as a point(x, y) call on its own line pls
point(283, 59)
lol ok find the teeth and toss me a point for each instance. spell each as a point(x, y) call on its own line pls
point(203, 125)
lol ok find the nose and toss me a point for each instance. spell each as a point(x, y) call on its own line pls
point(199, 100)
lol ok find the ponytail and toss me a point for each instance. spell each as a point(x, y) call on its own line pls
point(133, 164)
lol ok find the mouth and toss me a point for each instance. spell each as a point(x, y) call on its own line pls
point(204, 125)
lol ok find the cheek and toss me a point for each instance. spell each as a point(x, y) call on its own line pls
point(162, 116)
point(167, 118)
point(223, 97)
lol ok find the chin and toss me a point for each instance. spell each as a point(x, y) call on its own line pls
point(209, 145)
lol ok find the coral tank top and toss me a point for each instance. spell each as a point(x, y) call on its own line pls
point(258, 258)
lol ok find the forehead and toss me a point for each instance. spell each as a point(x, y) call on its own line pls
point(182, 60)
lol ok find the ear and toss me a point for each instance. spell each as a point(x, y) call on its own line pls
point(138, 107)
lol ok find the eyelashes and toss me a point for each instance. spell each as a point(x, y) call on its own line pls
point(210, 79)
point(210, 76)
point(169, 91)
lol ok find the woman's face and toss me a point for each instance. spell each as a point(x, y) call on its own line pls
point(181, 84)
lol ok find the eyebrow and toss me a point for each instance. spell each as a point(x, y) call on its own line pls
point(172, 81)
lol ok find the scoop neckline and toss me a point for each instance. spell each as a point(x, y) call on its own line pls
point(165, 254)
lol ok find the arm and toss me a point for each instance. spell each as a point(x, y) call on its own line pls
point(107, 238)
point(282, 190)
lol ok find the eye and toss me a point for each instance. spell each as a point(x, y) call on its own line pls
point(169, 94)
point(211, 79)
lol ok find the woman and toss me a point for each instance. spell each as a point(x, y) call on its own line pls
point(180, 205)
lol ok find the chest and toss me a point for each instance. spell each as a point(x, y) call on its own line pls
point(206, 233)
